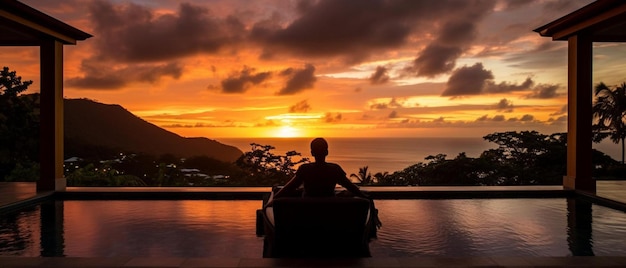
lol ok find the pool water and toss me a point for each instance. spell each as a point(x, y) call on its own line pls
point(210, 228)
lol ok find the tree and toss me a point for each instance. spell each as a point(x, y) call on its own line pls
point(527, 157)
point(19, 124)
point(383, 178)
point(266, 168)
point(10, 84)
point(609, 114)
point(363, 176)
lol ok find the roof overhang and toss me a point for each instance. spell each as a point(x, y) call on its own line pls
point(602, 21)
point(22, 25)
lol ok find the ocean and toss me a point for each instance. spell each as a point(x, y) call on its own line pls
point(386, 154)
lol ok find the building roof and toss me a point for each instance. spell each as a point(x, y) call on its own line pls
point(22, 25)
point(602, 20)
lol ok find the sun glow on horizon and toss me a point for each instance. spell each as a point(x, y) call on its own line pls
point(288, 132)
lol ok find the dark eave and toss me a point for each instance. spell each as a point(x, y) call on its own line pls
point(602, 20)
point(22, 25)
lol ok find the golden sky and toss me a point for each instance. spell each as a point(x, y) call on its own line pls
point(361, 68)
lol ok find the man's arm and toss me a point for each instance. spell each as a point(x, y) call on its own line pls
point(290, 187)
point(346, 183)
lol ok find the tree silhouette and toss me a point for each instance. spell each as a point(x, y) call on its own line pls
point(19, 125)
point(266, 168)
point(364, 177)
point(609, 114)
point(382, 178)
point(11, 84)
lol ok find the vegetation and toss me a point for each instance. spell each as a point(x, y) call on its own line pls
point(148, 170)
point(522, 158)
point(609, 114)
point(262, 167)
point(258, 167)
point(19, 129)
point(363, 176)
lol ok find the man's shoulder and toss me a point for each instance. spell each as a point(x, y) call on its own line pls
point(333, 165)
point(317, 165)
point(307, 165)
point(335, 168)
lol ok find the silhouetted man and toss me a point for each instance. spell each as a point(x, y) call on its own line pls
point(319, 178)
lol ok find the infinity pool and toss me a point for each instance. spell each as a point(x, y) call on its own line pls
point(210, 228)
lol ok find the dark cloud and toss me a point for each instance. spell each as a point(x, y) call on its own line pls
point(454, 37)
point(475, 80)
point(357, 28)
point(527, 118)
point(562, 111)
point(300, 107)
point(504, 87)
point(98, 75)
point(545, 91)
point(298, 80)
point(380, 76)
point(379, 106)
point(434, 60)
point(504, 105)
point(393, 114)
point(330, 118)
point(337, 27)
point(467, 81)
point(240, 82)
point(135, 44)
point(134, 33)
point(498, 118)
point(393, 103)
point(457, 32)
point(560, 119)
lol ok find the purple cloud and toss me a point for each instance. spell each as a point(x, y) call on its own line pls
point(300, 107)
point(298, 80)
point(467, 81)
point(379, 76)
point(241, 82)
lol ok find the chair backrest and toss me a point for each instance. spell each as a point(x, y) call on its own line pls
point(325, 226)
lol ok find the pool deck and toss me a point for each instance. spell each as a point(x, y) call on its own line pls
point(15, 195)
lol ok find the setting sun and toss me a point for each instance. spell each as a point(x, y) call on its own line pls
point(288, 132)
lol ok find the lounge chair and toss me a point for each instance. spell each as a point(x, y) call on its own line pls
point(316, 227)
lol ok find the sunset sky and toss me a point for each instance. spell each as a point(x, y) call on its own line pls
point(332, 68)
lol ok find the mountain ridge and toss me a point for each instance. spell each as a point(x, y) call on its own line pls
point(111, 125)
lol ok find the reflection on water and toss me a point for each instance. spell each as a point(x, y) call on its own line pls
point(200, 228)
point(477, 227)
point(19, 233)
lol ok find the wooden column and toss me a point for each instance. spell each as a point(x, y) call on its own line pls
point(51, 117)
point(579, 148)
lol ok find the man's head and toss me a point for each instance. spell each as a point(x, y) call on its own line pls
point(319, 147)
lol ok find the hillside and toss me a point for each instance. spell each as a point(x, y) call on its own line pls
point(107, 125)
